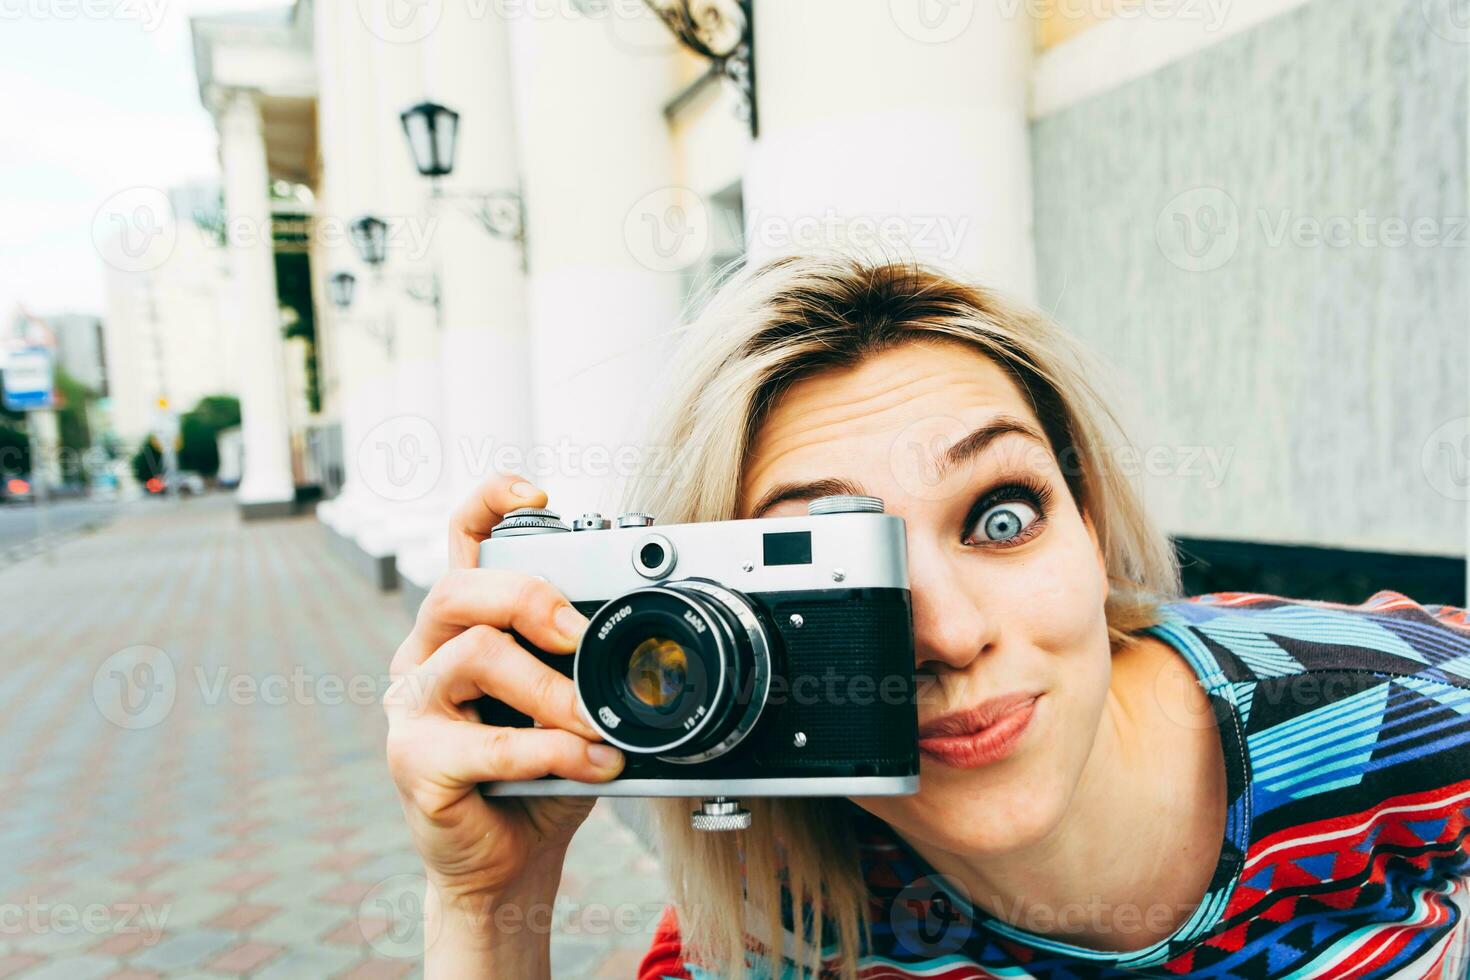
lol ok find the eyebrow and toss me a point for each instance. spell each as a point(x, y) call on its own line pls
point(972, 445)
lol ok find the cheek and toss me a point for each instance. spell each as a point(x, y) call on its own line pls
point(1055, 596)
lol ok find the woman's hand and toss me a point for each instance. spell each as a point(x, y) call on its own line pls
point(482, 853)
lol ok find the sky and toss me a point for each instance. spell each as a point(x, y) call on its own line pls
point(89, 107)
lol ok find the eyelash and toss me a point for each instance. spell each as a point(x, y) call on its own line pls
point(1027, 489)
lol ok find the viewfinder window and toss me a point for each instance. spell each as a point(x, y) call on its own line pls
point(788, 548)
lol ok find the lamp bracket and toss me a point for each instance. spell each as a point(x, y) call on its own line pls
point(500, 213)
point(722, 31)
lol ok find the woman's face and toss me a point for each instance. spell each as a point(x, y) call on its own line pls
point(1007, 578)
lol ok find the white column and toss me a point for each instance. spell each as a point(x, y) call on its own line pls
point(349, 151)
point(267, 487)
point(888, 122)
point(484, 355)
point(591, 151)
point(403, 454)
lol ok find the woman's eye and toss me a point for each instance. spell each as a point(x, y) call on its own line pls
point(1004, 522)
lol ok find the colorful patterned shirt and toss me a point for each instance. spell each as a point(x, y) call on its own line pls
point(1346, 733)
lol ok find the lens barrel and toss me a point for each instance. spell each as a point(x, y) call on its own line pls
point(680, 670)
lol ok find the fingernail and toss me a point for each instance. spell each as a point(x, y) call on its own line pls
point(604, 756)
point(523, 489)
point(570, 622)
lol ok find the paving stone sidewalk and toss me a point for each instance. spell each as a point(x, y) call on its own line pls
point(194, 776)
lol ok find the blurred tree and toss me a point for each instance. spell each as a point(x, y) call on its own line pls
point(15, 450)
point(74, 431)
point(199, 430)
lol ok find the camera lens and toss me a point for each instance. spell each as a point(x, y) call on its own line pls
point(680, 670)
point(657, 671)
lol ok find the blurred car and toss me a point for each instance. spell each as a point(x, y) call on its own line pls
point(189, 484)
point(16, 490)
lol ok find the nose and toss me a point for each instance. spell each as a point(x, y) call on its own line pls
point(952, 626)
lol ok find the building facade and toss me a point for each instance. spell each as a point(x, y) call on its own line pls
point(1190, 186)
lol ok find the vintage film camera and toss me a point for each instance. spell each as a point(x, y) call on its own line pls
point(769, 657)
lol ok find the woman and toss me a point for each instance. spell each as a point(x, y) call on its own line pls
point(1115, 781)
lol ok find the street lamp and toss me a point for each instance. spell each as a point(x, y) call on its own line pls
point(431, 130)
point(369, 235)
point(341, 286)
point(370, 239)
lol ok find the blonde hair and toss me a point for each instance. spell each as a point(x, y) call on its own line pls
point(758, 333)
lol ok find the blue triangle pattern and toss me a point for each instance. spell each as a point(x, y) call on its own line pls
point(1319, 866)
point(1428, 831)
point(1261, 880)
point(1280, 956)
point(1322, 930)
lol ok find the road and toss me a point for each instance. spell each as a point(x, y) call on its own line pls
point(21, 524)
point(194, 770)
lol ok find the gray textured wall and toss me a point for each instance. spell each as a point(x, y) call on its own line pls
point(1330, 374)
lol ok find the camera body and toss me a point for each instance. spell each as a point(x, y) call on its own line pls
point(768, 657)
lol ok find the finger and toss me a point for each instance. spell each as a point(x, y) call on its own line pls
point(504, 599)
point(484, 661)
point(484, 509)
point(457, 754)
